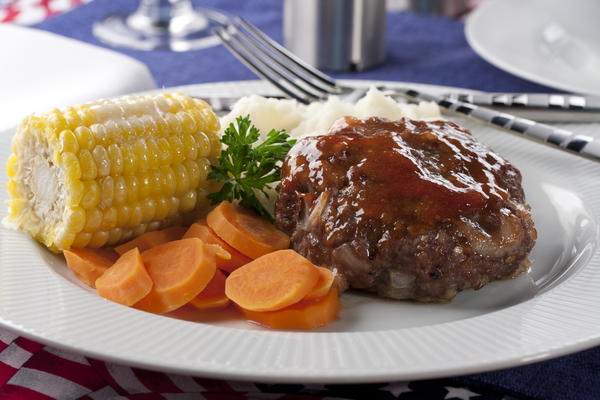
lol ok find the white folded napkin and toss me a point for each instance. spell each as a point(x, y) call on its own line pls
point(41, 70)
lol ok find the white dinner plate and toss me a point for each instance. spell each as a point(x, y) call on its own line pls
point(550, 311)
point(552, 42)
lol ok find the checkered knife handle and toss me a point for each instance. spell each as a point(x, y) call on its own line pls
point(562, 139)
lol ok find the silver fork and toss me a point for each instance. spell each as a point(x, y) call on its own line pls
point(300, 81)
point(274, 63)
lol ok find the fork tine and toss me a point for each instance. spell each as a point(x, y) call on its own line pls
point(291, 68)
point(287, 54)
point(260, 68)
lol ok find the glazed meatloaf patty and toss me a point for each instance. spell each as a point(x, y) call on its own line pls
point(405, 209)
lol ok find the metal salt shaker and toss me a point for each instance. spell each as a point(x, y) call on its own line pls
point(336, 35)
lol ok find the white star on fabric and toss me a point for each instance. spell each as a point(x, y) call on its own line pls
point(397, 388)
point(459, 393)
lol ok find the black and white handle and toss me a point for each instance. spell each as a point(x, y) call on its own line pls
point(560, 138)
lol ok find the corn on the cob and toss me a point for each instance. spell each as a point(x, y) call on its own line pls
point(106, 171)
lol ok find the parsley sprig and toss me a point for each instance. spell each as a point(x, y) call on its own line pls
point(246, 168)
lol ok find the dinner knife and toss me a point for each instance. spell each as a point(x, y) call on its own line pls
point(538, 106)
point(562, 139)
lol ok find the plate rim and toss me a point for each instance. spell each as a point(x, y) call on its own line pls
point(300, 375)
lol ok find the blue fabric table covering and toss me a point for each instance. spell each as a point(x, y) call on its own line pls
point(423, 49)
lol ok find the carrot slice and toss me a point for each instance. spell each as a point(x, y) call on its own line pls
point(90, 264)
point(126, 281)
point(203, 232)
point(151, 239)
point(309, 314)
point(246, 231)
point(272, 282)
point(213, 295)
point(323, 285)
point(180, 270)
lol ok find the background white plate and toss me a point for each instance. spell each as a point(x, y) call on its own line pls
point(550, 311)
point(552, 42)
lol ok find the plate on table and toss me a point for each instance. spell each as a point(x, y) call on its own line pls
point(552, 42)
point(547, 312)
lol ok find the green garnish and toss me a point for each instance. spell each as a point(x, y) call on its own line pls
point(246, 170)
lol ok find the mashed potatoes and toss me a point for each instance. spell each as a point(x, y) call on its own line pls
point(300, 120)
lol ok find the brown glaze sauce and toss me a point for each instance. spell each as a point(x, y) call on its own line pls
point(415, 171)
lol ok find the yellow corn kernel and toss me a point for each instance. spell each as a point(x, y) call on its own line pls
point(153, 226)
point(149, 124)
point(116, 159)
point(114, 236)
point(129, 160)
point(107, 192)
point(162, 208)
point(62, 241)
point(164, 147)
point(174, 207)
point(70, 165)
point(98, 239)
point(119, 190)
point(141, 154)
point(140, 229)
point(162, 127)
point(136, 216)
point(11, 187)
point(56, 121)
point(203, 144)
point(215, 144)
point(86, 115)
point(85, 139)
point(188, 201)
point(91, 195)
point(181, 178)
point(12, 166)
point(123, 215)
point(188, 124)
point(76, 190)
point(109, 219)
point(99, 134)
point(87, 164)
point(193, 172)
point(68, 142)
point(173, 122)
point(102, 161)
point(154, 156)
point(127, 234)
point(75, 220)
point(132, 188)
point(148, 209)
point(155, 183)
point(93, 219)
point(177, 149)
point(144, 186)
point(189, 144)
point(205, 167)
point(72, 118)
point(169, 182)
point(82, 239)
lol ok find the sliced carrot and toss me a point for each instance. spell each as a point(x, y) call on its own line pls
point(90, 264)
point(203, 232)
point(307, 314)
point(180, 270)
point(151, 239)
point(213, 295)
point(246, 231)
point(126, 281)
point(323, 285)
point(272, 282)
